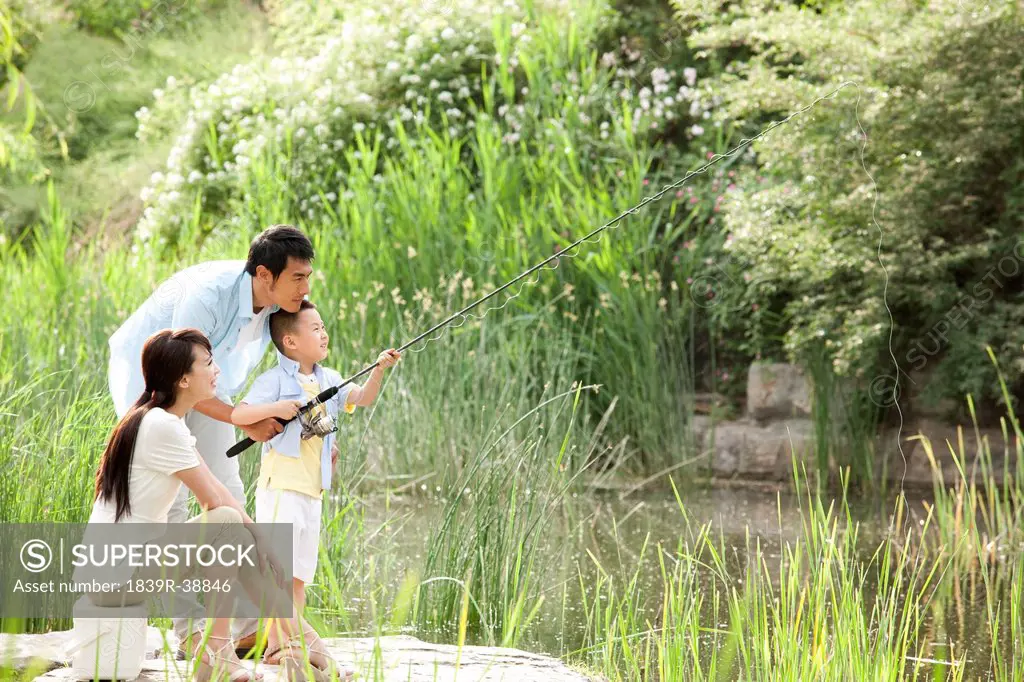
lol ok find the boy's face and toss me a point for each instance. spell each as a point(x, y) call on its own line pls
point(307, 341)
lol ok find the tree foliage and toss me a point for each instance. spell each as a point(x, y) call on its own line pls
point(902, 194)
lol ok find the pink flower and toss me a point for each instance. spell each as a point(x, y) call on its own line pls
point(731, 187)
point(675, 259)
point(689, 280)
point(679, 194)
point(694, 200)
point(646, 182)
point(725, 377)
point(688, 245)
point(711, 155)
point(732, 174)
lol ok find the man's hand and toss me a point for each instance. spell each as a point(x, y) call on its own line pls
point(264, 430)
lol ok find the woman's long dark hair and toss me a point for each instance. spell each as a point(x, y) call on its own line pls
point(167, 356)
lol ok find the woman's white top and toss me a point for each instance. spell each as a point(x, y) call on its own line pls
point(164, 447)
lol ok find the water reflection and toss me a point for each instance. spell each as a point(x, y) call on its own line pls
point(608, 533)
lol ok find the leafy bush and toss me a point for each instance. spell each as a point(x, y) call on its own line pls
point(938, 93)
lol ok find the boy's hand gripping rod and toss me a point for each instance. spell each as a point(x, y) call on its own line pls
point(331, 392)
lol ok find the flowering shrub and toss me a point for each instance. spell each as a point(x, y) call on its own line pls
point(308, 106)
point(372, 70)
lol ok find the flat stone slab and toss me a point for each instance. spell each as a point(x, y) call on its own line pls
point(389, 658)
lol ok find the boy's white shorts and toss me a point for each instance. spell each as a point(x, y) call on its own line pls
point(303, 512)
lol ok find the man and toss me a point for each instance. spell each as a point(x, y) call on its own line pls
point(231, 303)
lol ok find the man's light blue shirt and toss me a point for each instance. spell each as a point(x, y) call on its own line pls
point(215, 298)
point(282, 383)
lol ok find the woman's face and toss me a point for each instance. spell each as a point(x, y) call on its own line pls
point(200, 383)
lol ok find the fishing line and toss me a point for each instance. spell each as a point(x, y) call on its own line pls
point(613, 223)
point(885, 289)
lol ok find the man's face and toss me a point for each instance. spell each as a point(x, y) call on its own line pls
point(291, 286)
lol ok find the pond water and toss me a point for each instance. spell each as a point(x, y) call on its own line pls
point(613, 529)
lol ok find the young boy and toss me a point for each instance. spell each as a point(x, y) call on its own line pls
point(298, 463)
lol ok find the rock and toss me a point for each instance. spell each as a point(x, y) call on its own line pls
point(400, 658)
point(777, 391)
point(700, 427)
point(727, 442)
point(747, 449)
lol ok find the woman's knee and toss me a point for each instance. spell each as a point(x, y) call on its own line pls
point(223, 515)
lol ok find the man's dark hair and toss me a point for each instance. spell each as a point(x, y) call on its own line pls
point(272, 247)
point(283, 322)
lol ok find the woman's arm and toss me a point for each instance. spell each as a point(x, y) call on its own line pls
point(209, 492)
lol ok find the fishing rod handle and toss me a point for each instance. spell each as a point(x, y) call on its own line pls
point(246, 443)
point(240, 447)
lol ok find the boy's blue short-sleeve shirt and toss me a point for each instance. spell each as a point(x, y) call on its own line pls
point(282, 383)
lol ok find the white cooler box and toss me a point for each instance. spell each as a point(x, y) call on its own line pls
point(109, 643)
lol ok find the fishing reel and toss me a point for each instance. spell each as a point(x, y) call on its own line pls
point(316, 421)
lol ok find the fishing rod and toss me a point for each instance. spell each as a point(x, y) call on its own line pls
point(326, 395)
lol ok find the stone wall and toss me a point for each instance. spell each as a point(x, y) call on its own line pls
point(776, 423)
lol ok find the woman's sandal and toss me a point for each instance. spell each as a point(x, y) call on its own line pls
point(294, 656)
point(217, 666)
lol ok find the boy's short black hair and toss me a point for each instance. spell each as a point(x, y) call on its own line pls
point(272, 247)
point(283, 322)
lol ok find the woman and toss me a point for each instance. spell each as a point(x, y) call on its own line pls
point(149, 456)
